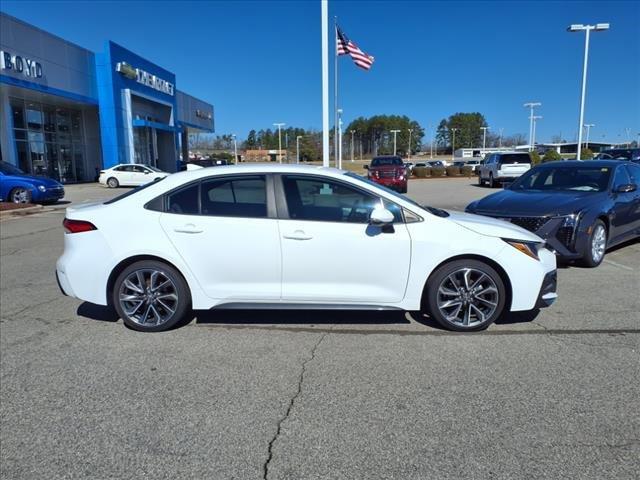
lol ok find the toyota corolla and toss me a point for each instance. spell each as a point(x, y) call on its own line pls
point(296, 237)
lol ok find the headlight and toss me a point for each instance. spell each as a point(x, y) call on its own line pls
point(42, 188)
point(530, 249)
point(571, 220)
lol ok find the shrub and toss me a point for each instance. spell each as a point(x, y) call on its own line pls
point(551, 156)
point(453, 171)
point(466, 170)
point(420, 172)
point(535, 157)
point(437, 171)
point(586, 154)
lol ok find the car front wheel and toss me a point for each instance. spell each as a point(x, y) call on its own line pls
point(596, 245)
point(465, 295)
point(113, 182)
point(151, 296)
point(20, 195)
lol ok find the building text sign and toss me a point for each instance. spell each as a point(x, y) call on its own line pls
point(145, 78)
point(26, 66)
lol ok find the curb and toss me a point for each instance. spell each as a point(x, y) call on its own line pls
point(18, 212)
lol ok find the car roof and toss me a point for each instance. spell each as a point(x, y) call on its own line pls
point(583, 163)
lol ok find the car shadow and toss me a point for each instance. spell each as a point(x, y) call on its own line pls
point(300, 317)
point(508, 318)
point(97, 312)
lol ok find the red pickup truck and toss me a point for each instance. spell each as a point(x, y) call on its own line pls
point(389, 171)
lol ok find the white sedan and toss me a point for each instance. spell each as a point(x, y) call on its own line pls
point(129, 175)
point(286, 236)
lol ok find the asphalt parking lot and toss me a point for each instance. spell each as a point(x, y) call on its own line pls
point(333, 395)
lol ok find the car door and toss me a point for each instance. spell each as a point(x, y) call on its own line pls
point(330, 253)
point(140, 175)
point(634, 212)
point(623, 203)
point(227, 233)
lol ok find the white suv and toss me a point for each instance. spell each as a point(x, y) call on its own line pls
point(498, 167)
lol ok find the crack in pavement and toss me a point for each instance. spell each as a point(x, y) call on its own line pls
point(290, 407)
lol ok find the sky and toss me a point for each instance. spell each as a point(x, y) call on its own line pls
point(260, 62)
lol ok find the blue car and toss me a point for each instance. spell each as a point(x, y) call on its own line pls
point(19, 187)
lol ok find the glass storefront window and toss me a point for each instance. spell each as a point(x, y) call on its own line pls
point(78, 160)
point(17, 112)
point(34, 116)
point(76, 124)
point(20, 134)
point(49, 118)
point(53, 168)
point(50, 137)
point(36, 137)
point(38, 161)
point(66, 164)
point(62, 120)
point(23, 157)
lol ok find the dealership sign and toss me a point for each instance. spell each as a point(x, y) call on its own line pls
point(26, 66)
point(145, 78)
point(204, 114)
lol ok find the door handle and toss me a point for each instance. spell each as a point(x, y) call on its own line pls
point(189, 228)
point(298, 235)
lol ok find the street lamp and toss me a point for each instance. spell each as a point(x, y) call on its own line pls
point(352, 133)
point(453, 143)
point(395, 132)
point(535, 118)
point(298, 148)
point(484, 138)
point(588, 127)
point(500, 141)
point(235, 149)
point(531, 106)
point(587, 29)
point(339, 165)
point(279, 125)
point(409, 154)
point(433, 135)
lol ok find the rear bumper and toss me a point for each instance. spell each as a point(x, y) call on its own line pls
point(548, 291)
point(63, 284)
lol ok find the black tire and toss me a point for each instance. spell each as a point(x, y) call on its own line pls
point(113, 182)
point(492, 182)
point(491, 281)
point(589, 259)
point(20, 195)
point(181, 306)
point(480, 180)
point(404, 189)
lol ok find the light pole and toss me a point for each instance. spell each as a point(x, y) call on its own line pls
point(588, 127)
point(395, 132)
point(339, 165)
point(531, 106)
point(533, 138)
point(235, 149)
point(628, 130)
point(484, 138)
point(500, 141)
point(352, 153)
point(298, 148)
point(409, 154)
point(433, 137)
point(453, 143)
point(279, 125)
point(587, 29)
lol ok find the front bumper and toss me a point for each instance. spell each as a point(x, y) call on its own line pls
point(49, 195)
point(393, 183)
point(548, 292)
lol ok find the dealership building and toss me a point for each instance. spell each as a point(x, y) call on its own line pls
point(67, 112)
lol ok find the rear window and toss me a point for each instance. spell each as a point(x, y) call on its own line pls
point(511, 158)
point(133, 191)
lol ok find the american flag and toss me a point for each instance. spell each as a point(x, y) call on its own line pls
point(344, 46)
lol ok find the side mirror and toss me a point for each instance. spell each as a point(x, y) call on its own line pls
point(380, 216)
point(627, 188)
point(147, 172)
point(366, 167)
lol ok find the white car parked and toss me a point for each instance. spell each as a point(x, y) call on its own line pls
point(500, 167)
point(129, 175)
point(287, 236)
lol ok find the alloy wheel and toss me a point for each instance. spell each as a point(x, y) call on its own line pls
point(20, 195)
point(468, 297)
point(148, 297)
point(598, 243)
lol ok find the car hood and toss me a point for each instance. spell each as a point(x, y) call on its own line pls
point(512, 203)
point(36, 180)
point(492, 227)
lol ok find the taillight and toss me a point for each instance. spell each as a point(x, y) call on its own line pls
point(77, 226)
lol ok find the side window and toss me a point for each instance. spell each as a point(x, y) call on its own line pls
point(139, 169)
point(235, 197)
point(634, 171)
point(325, 200)
point(184, 201)
point(621, 177)
point(119, 169)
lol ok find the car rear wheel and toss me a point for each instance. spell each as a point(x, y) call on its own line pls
point(20, 195)
point(113, 182)
point(492, 182)
point(465, 295)
point(151, 296)
point(596, 246)
point(480, 180)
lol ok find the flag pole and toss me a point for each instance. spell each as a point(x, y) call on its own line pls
point(324, 8)
point(335, 91)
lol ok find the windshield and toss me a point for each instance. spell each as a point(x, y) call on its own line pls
point(9, 169)
point(615, 155)
point(381, 161)
point(382, 187)
point(580, 179)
